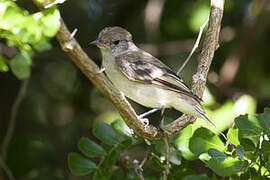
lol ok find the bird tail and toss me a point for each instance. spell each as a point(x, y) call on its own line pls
point(213, 124)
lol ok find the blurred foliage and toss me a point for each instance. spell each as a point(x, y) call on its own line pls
point(27, 32)
point(62, 112)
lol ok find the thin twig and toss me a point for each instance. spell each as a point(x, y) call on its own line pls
point(145, 157)
point(11, 126)
point(6, 169)
point(13, 116)
point(164, 175)
point(167, 167)
point(196, 45)
point(138, 170)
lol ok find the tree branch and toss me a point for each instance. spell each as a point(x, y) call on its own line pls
point(90, 69)
point(210, 44)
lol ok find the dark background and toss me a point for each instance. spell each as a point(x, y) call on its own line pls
point(61, 105)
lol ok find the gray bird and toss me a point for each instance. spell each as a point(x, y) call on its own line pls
point(142, 77)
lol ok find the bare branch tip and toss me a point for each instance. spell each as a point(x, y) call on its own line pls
point(73, 33)
point(68, 46)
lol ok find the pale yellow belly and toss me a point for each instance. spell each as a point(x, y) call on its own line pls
point(144, 94)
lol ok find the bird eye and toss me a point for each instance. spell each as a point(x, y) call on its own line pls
point(116, 42)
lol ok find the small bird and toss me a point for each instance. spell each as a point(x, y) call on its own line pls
point(142, 77)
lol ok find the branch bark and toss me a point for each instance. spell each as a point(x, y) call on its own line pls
point(210, 44)
point(90, 69)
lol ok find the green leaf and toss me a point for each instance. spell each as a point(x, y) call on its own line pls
point(240, 152)
point(79, 165)
point(249, 127)
point(264, 118)
point(124, 145)
point(267, 165)
point(214, 153)
point(105, 133)
point(197, 177)
point(227, 167)
point(233, 136)
point(20, 66)
point(51, 21)
point(223, 116)
point(182, 143)
point(249, 148)
point(198, 17)
point(114, 155)
point(43, 46)
point(175, 156)
point(3, 65)
point(120, 126)
point(159, 146)
point(111, 158)
point(266, 149)
point(11, 15)
point(203, 139)
point(102, 174)
point(90, 148)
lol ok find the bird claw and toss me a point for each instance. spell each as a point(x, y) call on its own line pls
point(145, 121)
point(101, 70)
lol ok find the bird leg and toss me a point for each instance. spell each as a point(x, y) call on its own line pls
point(150, 112)
point(146, 120)
point(101, 70)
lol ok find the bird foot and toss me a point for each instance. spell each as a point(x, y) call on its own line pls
point(145, 121)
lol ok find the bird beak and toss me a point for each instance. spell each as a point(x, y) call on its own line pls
point(97, 42)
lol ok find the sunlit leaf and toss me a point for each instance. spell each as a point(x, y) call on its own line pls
point(79, 165)
point(245, 104)
point(182, 143)
point(203, 139)
point(90, 148)
point(223, 116)
point(3, 65)
point(120, 126)
point(51, 21)
point(208, 98)
point(198, 17)
point(232, 135)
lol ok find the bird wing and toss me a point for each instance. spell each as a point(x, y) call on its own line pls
point(143, 67)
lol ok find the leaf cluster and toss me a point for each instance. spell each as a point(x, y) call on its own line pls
point(28, 33)
point(247, 157)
